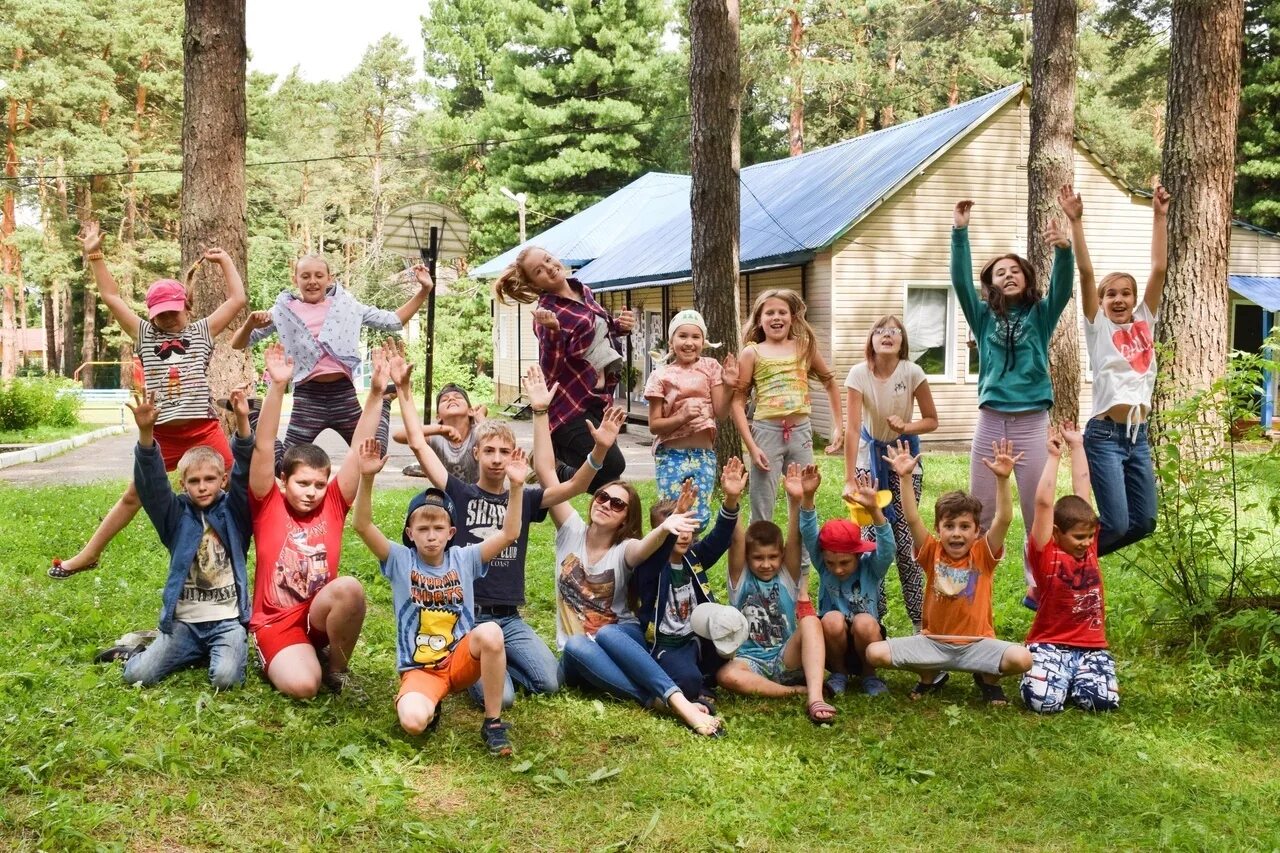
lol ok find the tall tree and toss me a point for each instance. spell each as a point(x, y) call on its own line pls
point(714, 155)
point(1258, 160)
point(1050, 164)
point(213, 158)
point(1199, 156)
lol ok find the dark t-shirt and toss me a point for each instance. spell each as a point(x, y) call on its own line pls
point(481, 513)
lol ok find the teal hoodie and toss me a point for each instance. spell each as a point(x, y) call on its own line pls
point(1013, 350)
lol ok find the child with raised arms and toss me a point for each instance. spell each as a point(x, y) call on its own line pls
point(319, 326)
point(1118, 332)
point(175, 353)
point(206, 529)
point(779, 356)
point(687, 396)
point(439, 647)
point(783, 654)
point(959, 565)
point(1012, 323)
point(306, 619)
point(1070, 662)
point(851, 571)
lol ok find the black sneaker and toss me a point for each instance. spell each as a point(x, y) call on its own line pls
point(414, 470)
point(118, 653)
point(495, 737)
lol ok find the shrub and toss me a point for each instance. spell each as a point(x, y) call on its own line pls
point(29, 403)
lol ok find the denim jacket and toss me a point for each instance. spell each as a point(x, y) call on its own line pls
point(339, 337)
point(653, 576)
point(180, 525)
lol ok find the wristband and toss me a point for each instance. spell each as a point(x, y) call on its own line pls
point(94, 256)
point(540, 411)
point(592, 462)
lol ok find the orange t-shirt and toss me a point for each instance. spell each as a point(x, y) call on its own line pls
point(957, 593)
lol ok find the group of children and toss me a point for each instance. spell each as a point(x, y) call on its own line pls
point(635, 613)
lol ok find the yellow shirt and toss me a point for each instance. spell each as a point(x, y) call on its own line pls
point(782, 386)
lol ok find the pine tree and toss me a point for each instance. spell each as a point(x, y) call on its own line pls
point(1258, 154)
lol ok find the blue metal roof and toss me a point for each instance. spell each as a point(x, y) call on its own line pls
point(636, 208)
point(1262, 289)
point(792, 208)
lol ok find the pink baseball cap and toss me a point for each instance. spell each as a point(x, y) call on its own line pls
point(165, 295)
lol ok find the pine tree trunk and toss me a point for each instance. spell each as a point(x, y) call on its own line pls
point(1050, 164)
point(714, 155)
point(68, 328)
point(9, 259)
point(88, 336)
point(213, 156)
point(50, 329)
point(795, 47)
point(1198, 169)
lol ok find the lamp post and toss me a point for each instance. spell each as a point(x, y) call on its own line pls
point(519, 199)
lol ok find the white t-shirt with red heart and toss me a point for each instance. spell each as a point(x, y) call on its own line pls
point(1123, 358)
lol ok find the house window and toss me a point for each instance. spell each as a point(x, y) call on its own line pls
point(929, 317)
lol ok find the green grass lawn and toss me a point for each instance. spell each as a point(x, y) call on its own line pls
point(45, 434)
point(1189, 761)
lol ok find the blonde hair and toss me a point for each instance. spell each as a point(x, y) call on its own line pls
point(801, 332)
point(494, 429)
point(201, 454)
point(1114, 277)
point(313, 256)
point(904, 351)
point(512, 285)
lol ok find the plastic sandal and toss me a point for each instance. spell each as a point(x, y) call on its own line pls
point(57, 572)
point(821, 713)
point(992, 694)
point(925, 688)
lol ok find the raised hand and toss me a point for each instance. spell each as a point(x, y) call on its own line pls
point(793, 481)
point(144, 410)
point(901, 461)
point(423, 276)
point(239, 402)
point(518, 468)
point(730, 374)
point(90, 237)
point(1054, 235)
point(401, 370)
point(381, 367)
point(535, 388)
point(733, 478)
point(864, 490)
point(810, 480)
point(1160, 201)
point(371, 458)
point(960, 214)
point(545, 318)
point(678, 523)
point(626, 319)
point(1003, 458)
point(610, 425)
point(688, 496)
point(217, 255)
point(1072, 435)
point(259, 319)
point(279, 366)
point(1055, 445)
point(1070, 202)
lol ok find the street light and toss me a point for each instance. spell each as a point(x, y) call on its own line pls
point(519, 199)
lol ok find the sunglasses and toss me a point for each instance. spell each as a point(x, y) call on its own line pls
point(615, 504)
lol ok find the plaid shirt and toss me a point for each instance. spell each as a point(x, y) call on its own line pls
point(560, 353)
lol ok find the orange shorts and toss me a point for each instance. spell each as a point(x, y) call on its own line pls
point(459, 671)
point(291, 630)
point(177, 438)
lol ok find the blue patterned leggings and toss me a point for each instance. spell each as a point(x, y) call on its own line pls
point(1060, 674)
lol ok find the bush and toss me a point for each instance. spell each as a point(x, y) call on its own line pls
point(29, 403)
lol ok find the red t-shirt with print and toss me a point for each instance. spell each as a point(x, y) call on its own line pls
point(296, 555)
point(1071, 609)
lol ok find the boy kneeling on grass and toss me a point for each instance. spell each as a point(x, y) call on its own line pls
point(206, 529)
point(783, 654)
point(1068, 639)
point(439, 647)
point(958, 630)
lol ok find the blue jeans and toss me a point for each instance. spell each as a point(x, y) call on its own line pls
point(1124, 483)
point(224, 643)
point(530, 663)
point(681, 663)
point(616, 661)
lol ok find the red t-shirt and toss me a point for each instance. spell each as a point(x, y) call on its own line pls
point(1071, 611)
point(296, 555)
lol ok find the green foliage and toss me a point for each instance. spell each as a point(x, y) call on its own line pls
point(1218, 510)
point(463, 345)
point(29, 403)
point(1257, 196)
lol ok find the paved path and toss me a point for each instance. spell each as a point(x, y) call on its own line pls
point(112, 458)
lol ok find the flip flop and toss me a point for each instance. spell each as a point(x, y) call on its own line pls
point(821, 713)
point(992, 694)
point(925, 688)
point(57, 572)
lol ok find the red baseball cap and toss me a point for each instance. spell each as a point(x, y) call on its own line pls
point(841, 536)
point(165, 295)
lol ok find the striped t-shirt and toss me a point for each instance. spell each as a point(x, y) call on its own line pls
point(177, 370)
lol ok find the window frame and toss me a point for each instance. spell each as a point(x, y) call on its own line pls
point(952, 338)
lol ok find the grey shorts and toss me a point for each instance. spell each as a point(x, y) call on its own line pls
point(919, 652)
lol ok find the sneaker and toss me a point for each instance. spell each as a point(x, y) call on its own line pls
point(494, 733)
point(874, 686)
point(837, 683)
point(118, 653)
point(414, 470)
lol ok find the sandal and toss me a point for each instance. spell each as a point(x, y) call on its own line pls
point(992, 694)
point(924, 688)
point(836, 684)
point(713, 730)
point(708, 703)
point(821, 713)
point(57, 572)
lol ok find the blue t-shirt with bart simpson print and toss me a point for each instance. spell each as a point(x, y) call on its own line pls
point(433, 604)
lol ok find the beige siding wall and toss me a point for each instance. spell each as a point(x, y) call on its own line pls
point(514, 349)
point(1253, 253)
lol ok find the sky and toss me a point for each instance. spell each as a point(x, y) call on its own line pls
point(326, 38)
